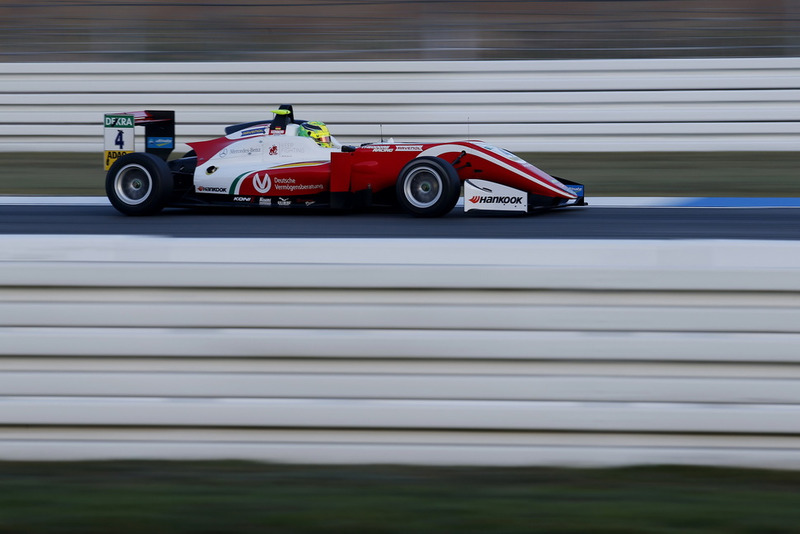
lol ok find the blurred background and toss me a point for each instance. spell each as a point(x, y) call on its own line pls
point(317, 30)
point(708, 127)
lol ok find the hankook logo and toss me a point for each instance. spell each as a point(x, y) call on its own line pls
point(477, 199)
point(262, 183)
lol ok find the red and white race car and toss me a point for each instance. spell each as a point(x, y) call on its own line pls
point(286, 162)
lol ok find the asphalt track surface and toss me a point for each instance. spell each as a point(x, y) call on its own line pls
point(571, 223)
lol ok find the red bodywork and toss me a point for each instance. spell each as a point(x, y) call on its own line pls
point(377, 166)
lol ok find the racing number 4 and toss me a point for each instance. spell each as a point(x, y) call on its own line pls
point(120, 140)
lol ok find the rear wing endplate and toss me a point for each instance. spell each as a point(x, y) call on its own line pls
point(119, 134)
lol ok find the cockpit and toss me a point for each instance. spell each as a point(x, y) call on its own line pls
point(284, 123)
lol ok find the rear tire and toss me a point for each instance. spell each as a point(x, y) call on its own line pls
point(428, 187)
point(139, 184)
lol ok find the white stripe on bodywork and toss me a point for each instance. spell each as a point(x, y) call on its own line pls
point(441, 149)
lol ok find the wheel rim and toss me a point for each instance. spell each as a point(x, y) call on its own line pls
point(133, 184)
point(423, 187)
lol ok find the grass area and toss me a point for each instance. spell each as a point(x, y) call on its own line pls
point(220, 497)
point(34, 173)
point(761, 174)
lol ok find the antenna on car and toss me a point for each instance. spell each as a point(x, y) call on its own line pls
point(467, 127)
point(381, 133)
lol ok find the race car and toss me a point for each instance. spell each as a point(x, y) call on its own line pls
point(288, 162)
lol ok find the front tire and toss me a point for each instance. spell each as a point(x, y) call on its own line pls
point(428, 187)
point(139, 184)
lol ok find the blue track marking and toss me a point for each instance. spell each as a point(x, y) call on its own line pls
point(731, 202)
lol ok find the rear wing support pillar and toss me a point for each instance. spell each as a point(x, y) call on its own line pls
point(159, 132)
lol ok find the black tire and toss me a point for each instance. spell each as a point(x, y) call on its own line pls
point(139, 184)
point(428, 187)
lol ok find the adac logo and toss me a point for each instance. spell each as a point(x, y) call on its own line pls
point(262, 182)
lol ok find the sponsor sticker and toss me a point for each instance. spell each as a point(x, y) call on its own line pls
point(265, 202)
point(409, 148)
point(486, 195)
point(238, 152)
point(160, 142)
point(482, 199)
point(382, 148)
point(577, 189)
point(206, 189)
point(113, 155)
point(118, 137)
point(119, 121)
point(291, 185)
point(262, 182)
point(253, 131)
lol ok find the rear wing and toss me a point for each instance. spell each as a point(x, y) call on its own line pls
point(120, 139)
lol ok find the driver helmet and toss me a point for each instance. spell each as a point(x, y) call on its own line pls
point(317, 131)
